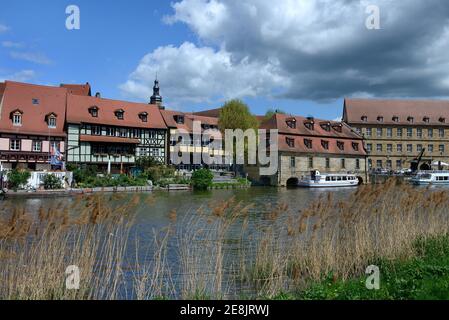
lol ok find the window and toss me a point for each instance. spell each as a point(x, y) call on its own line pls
point(399, 132)
point(310, 162)
point(379, 163)
point(441, 148)
point(14, 145)
point(123, 133)
point(110, 131)
point(37, 146)
point(399, 148)
point(380, 119)
point(308, 143)
point(343, 163)
point(398, 164)
point(379, 148)
point(93, 111)
point(143, 116)
point(292, 162)
point(328, 163)
point(325, 144)
point(389, 164)
point(364, 118)
point(290, 142)
point(326, 126)
point(410, 119)
point(430, 148)
point(369, 132)
point(338, 127)
point(52, 122)
point(370, 163)
point(409, 148)
point(291, 123)
point(441, 133)
point(379, 132)
point(35, 101)
point(389, 132)
point(357, 164)
point(409, 132)
point(426, 119)
point(395, 119)
point(341, 145)
point(96, 130)
point(442, 120)
point(309, 125)
point(355, 146)
point(136, 133)
point(120, 114)
point(430, 133)
point(389, 148)
point(419, 147)
point(369, 147)
point(358, 131)
point(17, 119)
point(419, 133)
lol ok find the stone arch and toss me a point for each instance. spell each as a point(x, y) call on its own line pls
point(292, 182)
point(361, 181)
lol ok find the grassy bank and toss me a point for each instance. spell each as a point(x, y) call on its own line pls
point(426, 276)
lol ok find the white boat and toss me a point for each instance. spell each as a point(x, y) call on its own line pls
point(329, 180)
point(431, 177)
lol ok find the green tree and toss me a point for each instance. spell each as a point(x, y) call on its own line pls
point(202, 179)
point(271, 112)
point(52, 182)
point(18, 178)
point(146, 162)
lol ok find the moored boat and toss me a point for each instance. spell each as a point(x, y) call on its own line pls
point(329, 180)
point(431, 177)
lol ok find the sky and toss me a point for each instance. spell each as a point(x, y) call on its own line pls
point(300, 56)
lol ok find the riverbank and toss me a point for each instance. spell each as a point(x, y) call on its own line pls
point(423, 277)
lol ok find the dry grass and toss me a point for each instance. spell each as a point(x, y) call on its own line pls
point(221, 251)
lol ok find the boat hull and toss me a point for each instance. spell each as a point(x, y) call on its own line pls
point(325, 185)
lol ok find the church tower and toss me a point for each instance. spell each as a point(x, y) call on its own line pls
point(156, 98)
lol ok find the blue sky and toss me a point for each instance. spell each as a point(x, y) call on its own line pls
point(300, 56)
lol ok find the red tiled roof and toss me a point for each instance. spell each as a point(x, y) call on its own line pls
point(78, 89)
point(91, 138)
point(279, 121)
point(317, 147)
point(189, 118)
point(372, 109)
point(214, 113)
point(78, 112)
point(2, 89)
point(20, 96)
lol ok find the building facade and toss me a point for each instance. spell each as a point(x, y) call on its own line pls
point(398, 131)
point(307, 144)
point(32, 121)
point(114, 133)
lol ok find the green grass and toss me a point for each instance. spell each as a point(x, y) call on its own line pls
point(425, 277)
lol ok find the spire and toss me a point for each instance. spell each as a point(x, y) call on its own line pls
point(156, 97)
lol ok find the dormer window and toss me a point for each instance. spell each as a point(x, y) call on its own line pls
point(355, 146)
point(16, 117)
point(93, 111)
point(326, 126)
point(341, 145)
point(291, 123)
point(290, 142)
point(325, 144)
point(35, 101)
point(364, 118)
point(309, 124)
point(410, 119)
point(426, 119)
point(337, 127)
point(380, 119)
point(120, 114)
point(179, 119)
point(442, 120)
point(51, 120)
point(143, 116)
point(395, 119)
point(308, 143)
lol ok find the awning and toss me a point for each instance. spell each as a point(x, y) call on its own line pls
point(106, 139)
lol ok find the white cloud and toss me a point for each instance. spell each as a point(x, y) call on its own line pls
point(201, 74)
point(4, 28)
point(34, 57)
point(11, 44)
point(20, 76)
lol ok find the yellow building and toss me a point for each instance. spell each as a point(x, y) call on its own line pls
point(396, 131)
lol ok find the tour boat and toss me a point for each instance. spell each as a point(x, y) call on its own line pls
point(431, 177)
point(329, 180)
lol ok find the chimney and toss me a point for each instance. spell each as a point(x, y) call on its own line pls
point(98, 95)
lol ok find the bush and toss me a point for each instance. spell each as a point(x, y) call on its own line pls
point(159, 173)
point(18, 178)
point(202, 179)
point(51, 182)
